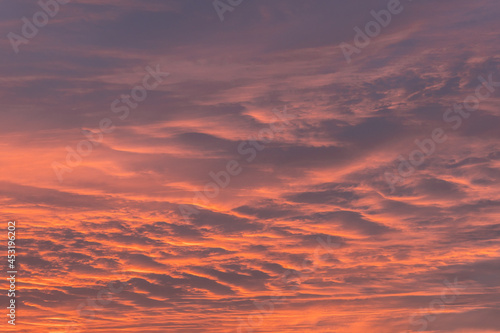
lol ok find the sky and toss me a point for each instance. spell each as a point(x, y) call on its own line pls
point(252, 166)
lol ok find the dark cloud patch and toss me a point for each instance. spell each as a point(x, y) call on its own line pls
point(325, 243)
point(226, 223)
point(273, 267)
point(434, 187)
point(478, 319)
point(467, 161)
point(141, 260)
point(484, 272)
point(481, 124)
point(352, 221)
point(367, 134)
point(333, 194)
point(478, 206)
point(267, 209)
point(36, 196)
point(37, 262)
point(252, 280)
point(204, 142)
point(208, 284)
point(152, 289)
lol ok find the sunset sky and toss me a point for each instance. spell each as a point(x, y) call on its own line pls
point(252, 165)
